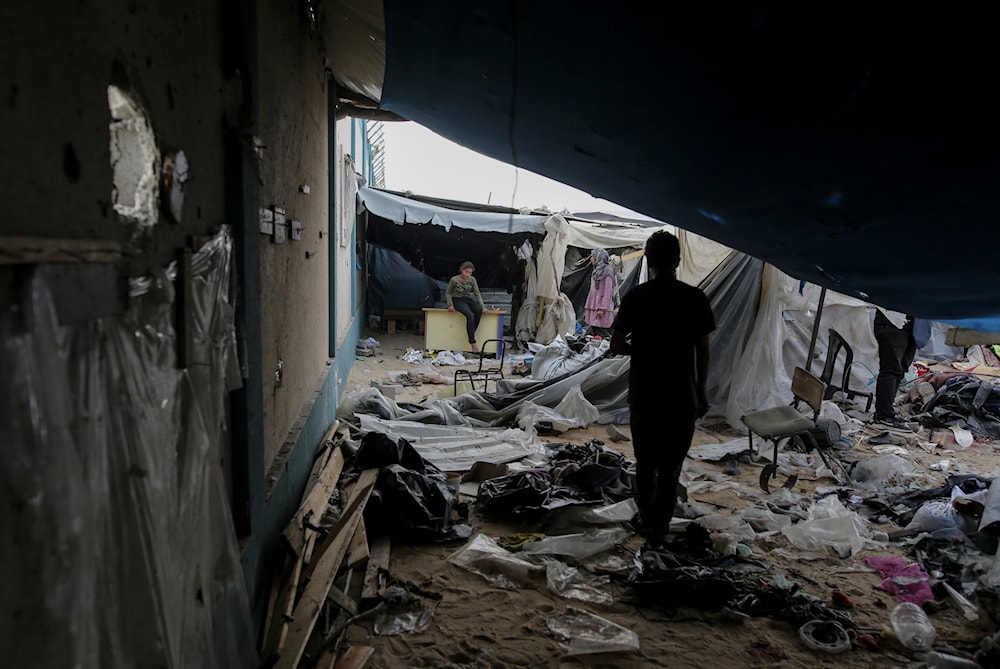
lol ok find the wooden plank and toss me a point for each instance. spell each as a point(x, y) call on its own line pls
point(327, 659)
point(281, 577)
point(277, 631)
point(323, 572)
point(341, 599)
point(355, 657)
point(314, 501)
point(357, 552)
point(30, 250)
point(963, 337)
point(378, 560)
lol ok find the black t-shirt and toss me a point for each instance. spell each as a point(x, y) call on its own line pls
point(664, 318)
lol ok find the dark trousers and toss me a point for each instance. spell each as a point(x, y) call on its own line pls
point(896, 348)
point(473, 312)
point(660, 442)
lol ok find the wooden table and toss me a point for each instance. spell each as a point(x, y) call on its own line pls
point(445, 330)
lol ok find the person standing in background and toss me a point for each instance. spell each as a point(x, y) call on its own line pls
point(464, 297)
point(599, 309)
point(668, 376)
point(896, 348)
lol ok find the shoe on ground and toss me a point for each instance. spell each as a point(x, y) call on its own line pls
point(887, 438)
point(894, 421)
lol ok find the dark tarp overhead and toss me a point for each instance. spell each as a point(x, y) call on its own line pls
point(855, 148)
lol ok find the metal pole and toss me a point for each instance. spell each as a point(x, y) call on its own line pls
point(819, 315)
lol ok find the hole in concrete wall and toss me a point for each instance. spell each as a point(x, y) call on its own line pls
point(135, 160)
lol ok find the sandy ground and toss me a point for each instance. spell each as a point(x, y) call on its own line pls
point(476, 623)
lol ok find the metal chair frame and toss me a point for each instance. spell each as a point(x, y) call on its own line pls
point(480, 374)
point(786, 422)
point(837, 343)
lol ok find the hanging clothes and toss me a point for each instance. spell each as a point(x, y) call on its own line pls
point(600, 305)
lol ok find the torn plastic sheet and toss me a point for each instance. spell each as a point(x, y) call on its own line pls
point(411, 495)
point(419, 506)
point(409, 622)
point(138, 562)
point(580, 517)
point(455, 448)
point(829, 527)
point(557, 359)
point(883, 472)
point(483, 556)
point(573, 583)
point(379, 449)
point(685, 573)
point(581, 632)
point(718, 452)
point(573, 411)
point(579, 546)
point(580, 474)
point(523, 493)
point(962, 512)
point(603, 382)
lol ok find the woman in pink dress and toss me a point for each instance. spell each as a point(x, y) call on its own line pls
point(600, 305)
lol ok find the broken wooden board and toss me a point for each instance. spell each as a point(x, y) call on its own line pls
point(357, 552)
point(355, 657)
point(323, 571)
point(341, 599)
point(378, 561)
point(315, 500)
point(276, 631)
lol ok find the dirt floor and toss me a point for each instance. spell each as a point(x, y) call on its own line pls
point(476, 623)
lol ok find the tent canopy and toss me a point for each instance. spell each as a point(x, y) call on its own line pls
point(840, 146)
point(434, 236)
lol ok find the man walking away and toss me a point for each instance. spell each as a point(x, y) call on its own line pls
point(663, 324)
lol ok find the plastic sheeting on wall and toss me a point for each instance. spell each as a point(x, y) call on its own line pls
point(121, 550)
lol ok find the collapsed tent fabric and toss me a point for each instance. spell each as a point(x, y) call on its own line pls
point(837, 146)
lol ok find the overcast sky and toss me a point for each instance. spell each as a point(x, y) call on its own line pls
point(425, 163)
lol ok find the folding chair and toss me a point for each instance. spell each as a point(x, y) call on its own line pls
point(837, 344)
point(484, 373)
point(785, 422)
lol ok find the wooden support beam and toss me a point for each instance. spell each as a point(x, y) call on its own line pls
point(323, 571)
point(963, 337)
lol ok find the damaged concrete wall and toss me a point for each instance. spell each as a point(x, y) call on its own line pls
point(55, 119)
point(119, 122)
point(293, 129)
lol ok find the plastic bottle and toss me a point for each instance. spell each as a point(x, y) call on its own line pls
point(936, 660)
point(912, 626)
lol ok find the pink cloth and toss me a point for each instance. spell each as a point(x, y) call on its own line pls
point(908, 582)
point(601, 297)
